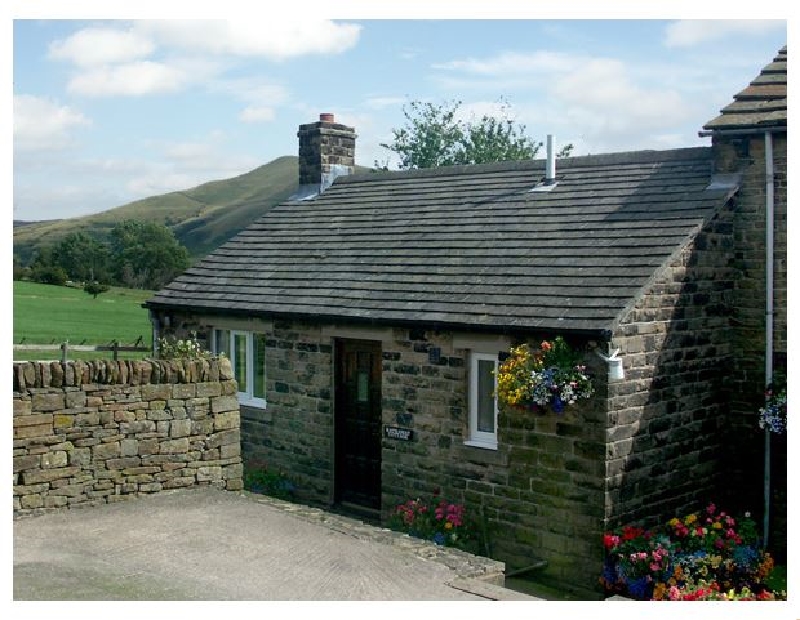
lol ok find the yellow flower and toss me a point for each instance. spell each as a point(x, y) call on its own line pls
point(691, 519)
point(717, 525)
point(448, 525)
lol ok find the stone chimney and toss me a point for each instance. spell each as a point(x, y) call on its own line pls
point(327, 150)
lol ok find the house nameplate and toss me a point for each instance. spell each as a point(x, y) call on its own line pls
point(395, 432)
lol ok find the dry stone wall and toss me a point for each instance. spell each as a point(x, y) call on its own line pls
point(87, 433)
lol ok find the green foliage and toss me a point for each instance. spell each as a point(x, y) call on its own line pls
point(259, 478)
point(52, 314)
point(146, 254)
point(170, 348)
point(95, 288)
point(49, 274)
point(434, 135)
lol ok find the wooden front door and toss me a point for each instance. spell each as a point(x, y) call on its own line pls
point(358, 423)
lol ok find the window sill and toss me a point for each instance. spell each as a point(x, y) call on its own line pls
point(256, 403)
point(485, 445)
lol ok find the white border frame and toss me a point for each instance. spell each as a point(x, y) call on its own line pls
point(477, 438)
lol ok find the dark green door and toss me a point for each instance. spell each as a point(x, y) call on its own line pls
point(358, 423)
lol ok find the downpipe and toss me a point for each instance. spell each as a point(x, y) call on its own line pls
point(769, 344)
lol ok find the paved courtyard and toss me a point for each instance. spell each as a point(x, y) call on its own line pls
point(207, 544)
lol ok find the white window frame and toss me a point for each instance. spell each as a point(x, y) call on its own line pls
point(481, 439)
point(246, 397)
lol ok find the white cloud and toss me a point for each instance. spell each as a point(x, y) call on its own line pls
point(255, 90)
point(377, 103)
point(257, 114)
point(276, 39)
point(136, 78)
point(98, 45)
point(510, 63)
point(43, 124)
point(686, 33)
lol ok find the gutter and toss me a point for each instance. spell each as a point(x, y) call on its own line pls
point(770, 286)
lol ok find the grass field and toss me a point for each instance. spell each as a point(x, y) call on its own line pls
point(45, 314)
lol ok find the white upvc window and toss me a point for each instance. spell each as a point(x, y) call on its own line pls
point(247, 353)
point(483, 400)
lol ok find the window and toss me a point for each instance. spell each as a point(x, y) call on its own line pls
point(483, 400)
point(247, 352)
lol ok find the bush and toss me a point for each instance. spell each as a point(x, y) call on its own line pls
point(703, 556)
point(49, 275)
point(170, 348)
point(258, 478)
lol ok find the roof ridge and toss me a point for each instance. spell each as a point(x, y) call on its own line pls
point(601, 159)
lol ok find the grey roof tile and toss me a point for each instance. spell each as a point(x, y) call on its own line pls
point(465, 246)
point(761, 104)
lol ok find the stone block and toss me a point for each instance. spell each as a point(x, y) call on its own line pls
point(91, 418)
point(230, 450)
point(202, 427)
point(225, 370)
point(224, 403)
point(48, 401)
point(174, 446)
point(69, 490)
point(80, 457)
point(183, 390)
point(234, 485)
point(105, 451)
point(129, 447)
point(208, 389)
point(142, 426)
point(180, 481)
point(54, 459)
point(62, 420)
point(150, 487)
point(123, 463)
point(48, 475)
point(162, 391)
point(208, 474)
point(222, 438)
point(40, 430)
point(141, 471)
point(30, 461)
point(226, 420)
point(75, 399)
point(55, 501)
point(31, 501)
point(180, 428)
point(22, 407)
point(148, 446)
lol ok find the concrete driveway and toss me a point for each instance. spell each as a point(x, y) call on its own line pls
point(207, 544)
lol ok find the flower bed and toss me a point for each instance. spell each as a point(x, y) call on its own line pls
point(707, 556)
point(438, 520)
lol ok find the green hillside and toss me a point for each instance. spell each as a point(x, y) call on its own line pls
point(202, 218)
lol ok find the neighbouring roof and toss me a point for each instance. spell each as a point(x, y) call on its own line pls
point(761, 105)
point(464, 246)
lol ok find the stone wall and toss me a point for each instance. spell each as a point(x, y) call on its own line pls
point(745, 469)
point(322, 145)
point(667, 418)
point(541, 491)
point(87, 433)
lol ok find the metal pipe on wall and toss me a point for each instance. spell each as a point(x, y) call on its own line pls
point(768, 371)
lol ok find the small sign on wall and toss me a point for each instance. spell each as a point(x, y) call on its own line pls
point(400, 434)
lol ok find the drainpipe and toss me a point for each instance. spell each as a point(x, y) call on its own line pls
point(770, 208)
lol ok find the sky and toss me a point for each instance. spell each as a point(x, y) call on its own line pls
point(111, 110)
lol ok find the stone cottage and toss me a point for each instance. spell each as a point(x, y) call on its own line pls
point(365, 319)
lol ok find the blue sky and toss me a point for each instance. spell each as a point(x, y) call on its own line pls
point(108, 111)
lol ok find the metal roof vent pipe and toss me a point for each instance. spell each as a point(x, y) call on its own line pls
point(550, 175)
point(549, 182)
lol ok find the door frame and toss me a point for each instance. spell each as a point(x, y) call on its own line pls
point(341, 346)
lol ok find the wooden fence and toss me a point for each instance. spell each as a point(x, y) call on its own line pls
point(113, 346)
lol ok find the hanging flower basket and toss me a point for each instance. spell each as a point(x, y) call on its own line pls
point(551, 377)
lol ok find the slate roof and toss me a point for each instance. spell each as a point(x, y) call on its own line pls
point(761, 105)
point(463, 246)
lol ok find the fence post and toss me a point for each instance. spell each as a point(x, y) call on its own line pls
point(64, 352)
point(114, 346)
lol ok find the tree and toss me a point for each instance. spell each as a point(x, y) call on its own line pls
point(435, 136)
point(84, 258)
point(95, 288)
point(146, 254)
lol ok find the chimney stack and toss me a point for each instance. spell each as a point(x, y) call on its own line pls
point(327, 149)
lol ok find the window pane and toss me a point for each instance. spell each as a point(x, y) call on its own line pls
point(486, 396)
point(259, 366)
point(222, 342)
point(240, 360)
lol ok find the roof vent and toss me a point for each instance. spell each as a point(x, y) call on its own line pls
point(549, 181)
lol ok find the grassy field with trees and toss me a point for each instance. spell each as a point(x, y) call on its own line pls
point(44, 313)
